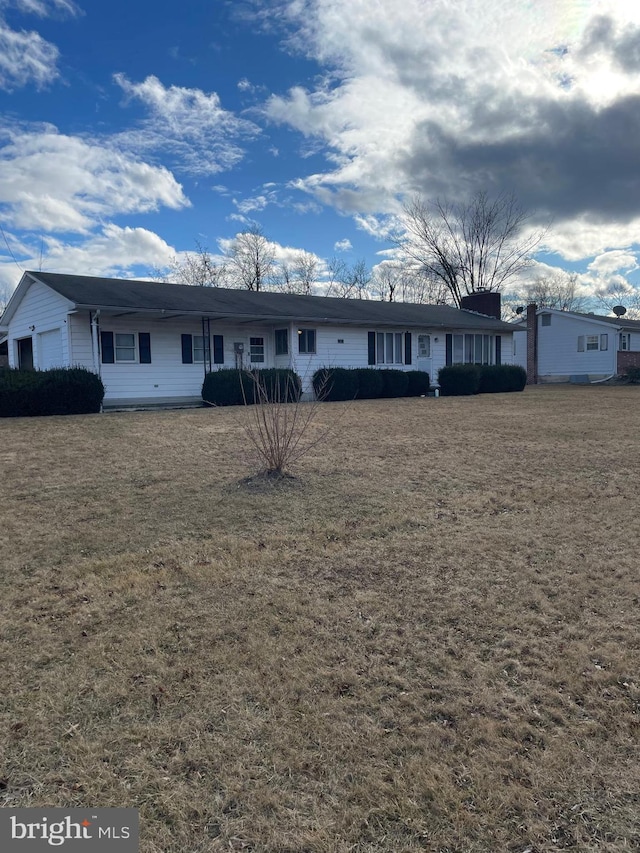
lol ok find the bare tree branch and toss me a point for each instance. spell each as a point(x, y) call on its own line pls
point(250, 260)
point(468, 246)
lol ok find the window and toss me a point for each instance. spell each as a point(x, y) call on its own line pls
point(199, 349)
point(196, 349)
point(282, 341)
point(625, 341)
point(592, 342)
point(471, 349)
point(424, 346)
point(256, 350)
point(306, 341)
point(604, 342)
point(125, 347)
point(545, 319)
point(389, 347)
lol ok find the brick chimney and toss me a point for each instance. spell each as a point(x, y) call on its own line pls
point(532, 344)
point(482, 302)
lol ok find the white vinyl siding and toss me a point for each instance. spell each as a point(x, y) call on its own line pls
point(45, 311)
point(562, 348)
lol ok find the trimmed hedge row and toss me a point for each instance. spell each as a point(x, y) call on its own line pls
point(59, 391)
point(230, 387)
point(367, 383)
point(465, 379)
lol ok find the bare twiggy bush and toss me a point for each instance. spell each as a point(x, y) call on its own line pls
point(278, 423)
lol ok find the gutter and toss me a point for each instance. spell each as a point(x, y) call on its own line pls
point(287, 318)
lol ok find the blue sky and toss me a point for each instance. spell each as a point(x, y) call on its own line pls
point(129, 130)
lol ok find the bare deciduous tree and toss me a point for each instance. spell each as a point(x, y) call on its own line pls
point(298, 275)
point(250, 260)
point(197, 268)
point(348, 282)
point(557, 290)
point(620, 292)
point(469, 246)
point(396, 281)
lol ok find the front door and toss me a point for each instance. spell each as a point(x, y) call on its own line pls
point(25, 353)
point(424, 354)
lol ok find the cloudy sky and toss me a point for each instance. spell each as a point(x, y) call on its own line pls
point(130, 130)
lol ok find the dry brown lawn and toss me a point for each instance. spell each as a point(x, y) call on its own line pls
point(427, 642)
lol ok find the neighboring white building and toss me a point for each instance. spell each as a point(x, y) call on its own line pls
point(154, 342)
point(565, 346)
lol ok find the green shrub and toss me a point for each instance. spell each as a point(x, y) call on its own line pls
point(370, 383)
point(59, 391)
point(230, 387)
point(418, 383)
point(224, 387)
point(632, 375)
point(335, 383)
point(279, 385)
point(395, 382)
point(497, 378)
point(459, 379)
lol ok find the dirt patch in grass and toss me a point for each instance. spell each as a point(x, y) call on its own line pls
point(428, 641)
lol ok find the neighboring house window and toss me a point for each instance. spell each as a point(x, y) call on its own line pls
point(625, 341)
point(389, 348)
point(125, 347)
point(282, 341)
point(470, 349)
point(424, 346)
point(256, 350)
point(545, 319)
point(306, 341)
point(592, 343)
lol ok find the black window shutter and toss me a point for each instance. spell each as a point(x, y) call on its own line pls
point(449, 349)
point(218, 349)
point(106, 345)
point(372, 347)
point(144, 347)
point(187, 349)
point(407, 347)
point(498, 349)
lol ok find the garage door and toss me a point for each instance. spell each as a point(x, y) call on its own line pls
point(50, 349)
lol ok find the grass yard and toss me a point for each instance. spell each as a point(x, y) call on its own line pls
point(427, 642)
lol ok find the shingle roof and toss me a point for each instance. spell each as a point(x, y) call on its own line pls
point(619, 322)
point(89, 292)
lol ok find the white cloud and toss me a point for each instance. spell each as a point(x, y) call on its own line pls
point(451, 95)
point(614, 261)
point(189, 124)
point(343, 245)
point(53, 182)
point(113, 251)
point(42, 8)
point(25, 57)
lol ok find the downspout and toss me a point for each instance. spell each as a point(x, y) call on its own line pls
point(94, 341)
point(614, 349)
point(95, 325)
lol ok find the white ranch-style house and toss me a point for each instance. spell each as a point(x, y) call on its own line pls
point(567, 346)
point(153, 342)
